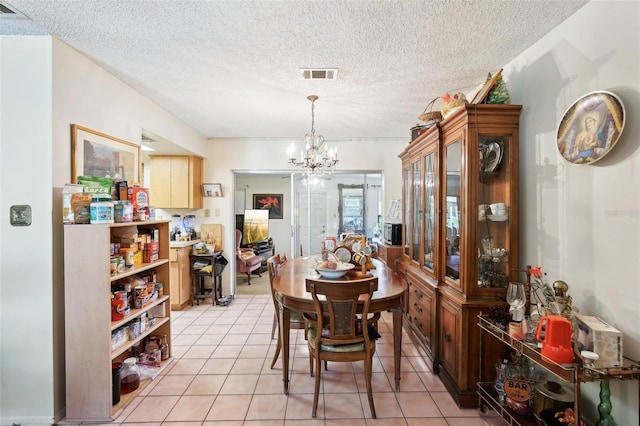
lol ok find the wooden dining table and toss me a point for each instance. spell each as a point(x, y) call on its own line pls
point(291, 294)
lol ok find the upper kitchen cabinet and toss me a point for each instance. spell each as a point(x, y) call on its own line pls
point(176, 181)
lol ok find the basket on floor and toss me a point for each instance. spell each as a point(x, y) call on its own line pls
point(431, 117)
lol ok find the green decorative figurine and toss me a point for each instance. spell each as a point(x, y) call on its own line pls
point(604, 408)
point(498, 93)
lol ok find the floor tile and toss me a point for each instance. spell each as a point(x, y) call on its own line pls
point(186, 366)
point(418, 404)
point(342, 406)
point(152, 408)
point(206, 384)
point(267, 407)
point(240, 384)
point(172, 385)
point(191, 408)
point(246, 366)
point(229, 407)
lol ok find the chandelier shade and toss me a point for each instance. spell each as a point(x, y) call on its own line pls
point(316, 157)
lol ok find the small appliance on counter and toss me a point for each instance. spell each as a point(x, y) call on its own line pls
point(554, 332)
point(189, 226)
point(176, 220)
point(392, 233)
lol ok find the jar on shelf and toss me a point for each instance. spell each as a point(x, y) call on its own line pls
point(130, 376)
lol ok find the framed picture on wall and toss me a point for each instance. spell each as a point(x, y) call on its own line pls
point(97, 154)
point(212, 190)
point(271, 202)
point(591, 127)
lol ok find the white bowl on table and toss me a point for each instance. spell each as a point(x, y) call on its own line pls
point(341, 269)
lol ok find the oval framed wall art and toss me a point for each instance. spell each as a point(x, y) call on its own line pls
point(590, 127)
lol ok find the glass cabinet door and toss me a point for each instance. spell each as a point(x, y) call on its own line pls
point(452, 207)
point(429, 209)
point(415, 232)
point(494, 210)
point(406, 182)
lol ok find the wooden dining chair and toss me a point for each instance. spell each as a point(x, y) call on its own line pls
point(296, 320)
point(339, 332)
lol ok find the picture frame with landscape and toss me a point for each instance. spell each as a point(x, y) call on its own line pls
point(95, 153)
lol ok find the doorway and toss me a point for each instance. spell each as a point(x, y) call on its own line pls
point(310, 207)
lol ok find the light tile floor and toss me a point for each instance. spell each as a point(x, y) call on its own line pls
point(220, 376)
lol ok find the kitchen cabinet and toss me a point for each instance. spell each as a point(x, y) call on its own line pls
point(93, 341)
point(457, 253)
point(176, 181)
point(180, 269)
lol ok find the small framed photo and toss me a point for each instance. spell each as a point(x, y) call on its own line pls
point(329, 243)
point(212, 190)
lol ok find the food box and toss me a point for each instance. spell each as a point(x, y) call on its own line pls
point(118, 337)
point(151, 252)
point(157, 311)
point(595, 335)
point(138, 196)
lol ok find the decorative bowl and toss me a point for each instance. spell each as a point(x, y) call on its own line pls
point(340, 270)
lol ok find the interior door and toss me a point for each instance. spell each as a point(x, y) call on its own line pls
point(311, 221)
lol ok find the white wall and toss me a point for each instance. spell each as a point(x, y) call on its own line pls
point(27, 357)
point(581, 223)
point(46, 87)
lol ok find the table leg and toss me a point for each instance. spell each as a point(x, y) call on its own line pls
point(285, 318)
point(397, 344)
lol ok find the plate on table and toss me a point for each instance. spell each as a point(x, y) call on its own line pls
point(343, 254)
point(340, 270)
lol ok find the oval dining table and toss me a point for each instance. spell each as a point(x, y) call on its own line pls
point(289, 286)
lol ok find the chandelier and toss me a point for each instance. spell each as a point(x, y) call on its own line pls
point(316, 158)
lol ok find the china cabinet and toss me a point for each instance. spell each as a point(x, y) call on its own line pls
point(176, 181)
point(94, 339)
point(460, 243)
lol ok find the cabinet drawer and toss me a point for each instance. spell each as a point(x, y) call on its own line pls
point(420, 310)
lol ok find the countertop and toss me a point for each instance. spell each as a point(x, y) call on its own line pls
point(180, 244)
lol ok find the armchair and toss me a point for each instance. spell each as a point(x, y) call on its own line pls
point(246, 260)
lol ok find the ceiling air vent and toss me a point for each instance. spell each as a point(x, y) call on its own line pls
point(7, 12)
point(319, 73)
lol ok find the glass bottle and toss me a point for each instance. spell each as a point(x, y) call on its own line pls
point(164, 348)
point(130, 376)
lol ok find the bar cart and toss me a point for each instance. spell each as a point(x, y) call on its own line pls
point(574, 374)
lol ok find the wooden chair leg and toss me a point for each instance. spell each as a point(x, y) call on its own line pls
point(316, 390)
point(275, 325)
point(275, 356)
point(367, 373)
point(249, 277)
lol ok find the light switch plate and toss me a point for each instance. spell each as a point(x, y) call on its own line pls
point(20, 215)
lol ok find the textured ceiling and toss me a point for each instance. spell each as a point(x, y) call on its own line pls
point(232, 68)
